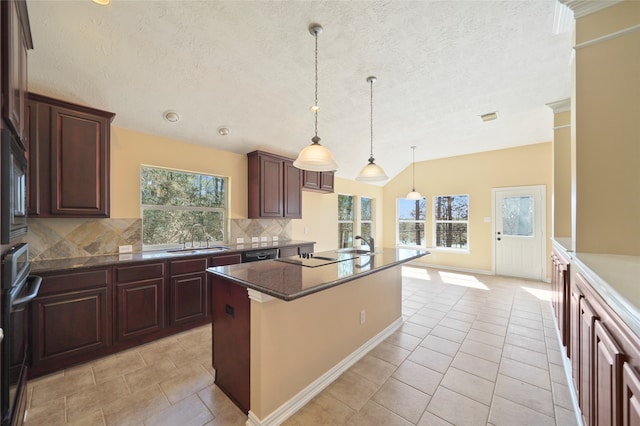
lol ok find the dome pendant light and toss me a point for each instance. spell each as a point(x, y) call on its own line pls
point(371, 172)
point(413, 195)
point(316, 157)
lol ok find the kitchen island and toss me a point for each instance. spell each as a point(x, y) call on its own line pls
point(284, 329)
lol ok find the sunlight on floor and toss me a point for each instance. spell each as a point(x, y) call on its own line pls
point(539, 293)
point(419, 273)
point(461, 280)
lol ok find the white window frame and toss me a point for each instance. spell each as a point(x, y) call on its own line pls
point(436, 222)
point(398, 221)
point(373, 217)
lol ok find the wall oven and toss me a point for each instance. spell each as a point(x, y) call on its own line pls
point(13, 189)
point(18, 289)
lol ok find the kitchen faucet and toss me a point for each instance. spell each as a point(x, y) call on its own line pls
point(369, 241)
point(204, 232)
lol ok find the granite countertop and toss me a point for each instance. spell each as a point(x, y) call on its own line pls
point(57, 265)
point(615, 278)
point(289, 281)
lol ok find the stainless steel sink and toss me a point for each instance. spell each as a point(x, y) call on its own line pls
point(198, 250)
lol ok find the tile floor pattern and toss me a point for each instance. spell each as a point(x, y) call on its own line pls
point(473, 350)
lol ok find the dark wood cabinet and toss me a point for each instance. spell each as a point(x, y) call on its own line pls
point(560, 291)
point(317, 181)
point(274, 187)
point(189, 290)
point(16, 40)
point(69, 155)
point(231, 341)
point(70, 318)
point(630, 396)
point(607, 372)
point(585, 351)
point(140, 300)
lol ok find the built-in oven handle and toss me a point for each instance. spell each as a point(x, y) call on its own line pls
point(33, 281)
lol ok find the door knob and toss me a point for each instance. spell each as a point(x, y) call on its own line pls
point(498, 238)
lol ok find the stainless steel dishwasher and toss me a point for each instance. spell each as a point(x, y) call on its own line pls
point(256, 255)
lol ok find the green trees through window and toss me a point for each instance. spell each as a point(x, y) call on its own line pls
point(181, 207)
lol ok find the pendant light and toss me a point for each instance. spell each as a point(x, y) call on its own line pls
point(316, 157)
point(414, 195)
point(371, 172)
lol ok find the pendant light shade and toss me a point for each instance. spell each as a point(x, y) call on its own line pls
point(414, 195)
point(316, 157)
point(372, 172)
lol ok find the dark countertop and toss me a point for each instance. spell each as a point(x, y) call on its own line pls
point(59, 265)
point(289, 281)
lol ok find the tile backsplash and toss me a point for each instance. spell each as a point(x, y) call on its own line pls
point(65, 238)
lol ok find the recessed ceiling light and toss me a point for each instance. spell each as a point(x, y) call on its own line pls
point(223, 131)
point(102, 2)
point(171, 116)
point(489, 116)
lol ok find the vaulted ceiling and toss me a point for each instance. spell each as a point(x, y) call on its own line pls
point(249, 66)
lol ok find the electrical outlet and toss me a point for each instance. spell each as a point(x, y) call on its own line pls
point(254, 239)
point(363, 316)
point(125, 249)
point(239, 240)
point(275, 238)
point(263, 239)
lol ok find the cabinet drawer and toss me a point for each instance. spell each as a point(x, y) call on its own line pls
point(127, 274)
point(74, 281)
point(228, 259)
point(186, 266)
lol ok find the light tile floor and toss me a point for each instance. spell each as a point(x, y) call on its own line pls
point(473, 350)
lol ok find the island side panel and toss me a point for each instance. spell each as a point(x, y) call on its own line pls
point(231, 340)
point(294, 343)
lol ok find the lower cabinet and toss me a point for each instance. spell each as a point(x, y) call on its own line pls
point(605, 356)
point(560, 282)
point(188, 287)
point(140, 292)
point(70, 318)
point(630, 396)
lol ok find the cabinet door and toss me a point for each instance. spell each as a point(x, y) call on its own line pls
point(69, 324)
point(607, 369)
point(630, 396)
point(140, 308)
point(292, 191)
point(188, 297)
point(311, 180)
point(272, 187)
point(575, 338)
point(587, 318)
point(326, 181)
point(79, 163)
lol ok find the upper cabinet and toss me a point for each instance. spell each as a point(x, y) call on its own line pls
point(317, 181)
point(68, 159)
point(16, 40)
point(275, 187)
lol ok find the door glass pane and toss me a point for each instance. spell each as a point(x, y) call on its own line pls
point(517, 216)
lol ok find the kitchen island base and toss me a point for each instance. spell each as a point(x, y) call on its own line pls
point(297, 348)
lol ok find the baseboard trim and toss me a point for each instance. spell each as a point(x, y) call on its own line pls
point(287, 409)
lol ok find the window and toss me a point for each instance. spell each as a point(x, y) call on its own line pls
point(345, 220)
point(366, 221)
point(451, 221)
point(178, 207)
point(411, 221)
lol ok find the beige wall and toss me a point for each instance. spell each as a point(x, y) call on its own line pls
point(294, 343)
point(606, 136)
point(475, 175)
point(130, 149)
point(562, 175)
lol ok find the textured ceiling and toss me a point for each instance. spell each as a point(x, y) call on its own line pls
point(248, 65)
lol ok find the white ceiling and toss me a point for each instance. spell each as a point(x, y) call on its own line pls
point(249, 66)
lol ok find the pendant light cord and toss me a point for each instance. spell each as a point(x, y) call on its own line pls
point(371, 80)
point(414, 169)
point(315, 110)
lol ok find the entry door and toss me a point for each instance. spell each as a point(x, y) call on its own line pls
point(519, 231)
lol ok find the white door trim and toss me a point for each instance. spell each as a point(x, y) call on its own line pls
point(543, 224)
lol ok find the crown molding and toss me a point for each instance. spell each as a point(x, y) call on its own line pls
point(560, 106)
point(582, 8)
